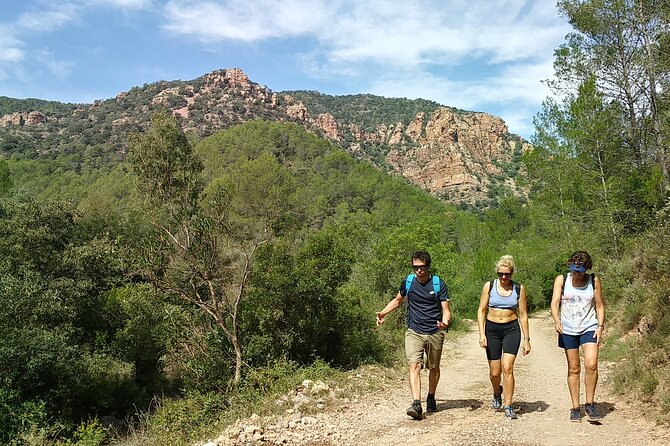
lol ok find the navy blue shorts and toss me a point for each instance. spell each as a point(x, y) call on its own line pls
point(502, 338)
point(570, 342)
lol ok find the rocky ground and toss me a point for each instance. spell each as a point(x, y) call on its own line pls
point(318, 414)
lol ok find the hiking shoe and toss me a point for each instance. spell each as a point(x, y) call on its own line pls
point(496, 401)
point(431, 405)
point(415, 411)
point(575, 414)
point(509, 413)
point(592, 412)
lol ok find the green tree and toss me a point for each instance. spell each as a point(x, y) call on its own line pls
point(581, 166)
point(198, 250)
point(294, 311)
point(55, 319)
point(621, 43)
point(592, 129)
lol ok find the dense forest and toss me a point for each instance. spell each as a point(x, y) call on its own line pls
point(174, 287)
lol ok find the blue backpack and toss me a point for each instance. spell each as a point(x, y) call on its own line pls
point(436, 284)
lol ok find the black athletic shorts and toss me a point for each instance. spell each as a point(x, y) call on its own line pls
point(502, 338)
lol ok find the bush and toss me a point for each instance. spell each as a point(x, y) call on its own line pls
point(89, 433)
point(197, 357)
point(184, 420)
point(19, 417)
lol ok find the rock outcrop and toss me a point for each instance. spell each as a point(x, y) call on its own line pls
point(22, 118)
point(456, 154)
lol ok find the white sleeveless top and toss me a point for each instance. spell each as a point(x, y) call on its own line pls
point(578, 310)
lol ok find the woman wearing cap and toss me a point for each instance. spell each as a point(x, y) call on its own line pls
point(501, 306)
point(579, 316)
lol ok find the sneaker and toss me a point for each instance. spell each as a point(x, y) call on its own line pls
point(496, 401)
point(592, 411)
point(575, 414)
point(509, 413)
point(415, 411)
point(431, 405)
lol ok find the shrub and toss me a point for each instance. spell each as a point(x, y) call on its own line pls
point(89, 433)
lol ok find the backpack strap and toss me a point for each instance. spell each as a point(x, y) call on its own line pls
point(436, 285)
point(565, 278)
point(408, 283)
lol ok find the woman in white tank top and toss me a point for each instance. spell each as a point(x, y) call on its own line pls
point(579, 317)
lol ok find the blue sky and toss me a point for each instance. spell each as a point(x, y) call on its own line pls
point(481, 55)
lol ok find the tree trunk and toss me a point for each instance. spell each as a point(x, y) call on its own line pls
point(238, 360)
point(608, 208)
point(650, 68)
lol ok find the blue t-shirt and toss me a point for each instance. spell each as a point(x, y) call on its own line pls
point(424, 309)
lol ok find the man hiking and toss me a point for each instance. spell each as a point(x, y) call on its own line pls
point(428, 315)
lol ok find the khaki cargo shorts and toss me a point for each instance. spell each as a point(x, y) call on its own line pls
point(417, 344)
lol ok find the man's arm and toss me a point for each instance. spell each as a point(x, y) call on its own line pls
point(446, 316)
point(392, 305)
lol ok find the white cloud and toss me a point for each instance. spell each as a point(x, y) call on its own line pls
point(213, 21)
point(123, 4)
point(47, 20)
point(517, 82)
point(519, 120)
point(427, 33)
point(10, 54)
point(394, 32)
point(60, 69)
point(512, 84)
point(10, 47)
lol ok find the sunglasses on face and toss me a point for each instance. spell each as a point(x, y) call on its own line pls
point(504, 274)
point(418, 267)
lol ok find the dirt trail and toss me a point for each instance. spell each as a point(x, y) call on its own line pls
point(464, 415)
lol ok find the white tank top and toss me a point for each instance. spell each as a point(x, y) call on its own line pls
point(578, 310)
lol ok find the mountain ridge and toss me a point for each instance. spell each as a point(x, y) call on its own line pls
point(466, 158)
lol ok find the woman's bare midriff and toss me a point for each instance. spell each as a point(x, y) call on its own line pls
point(501, 315)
